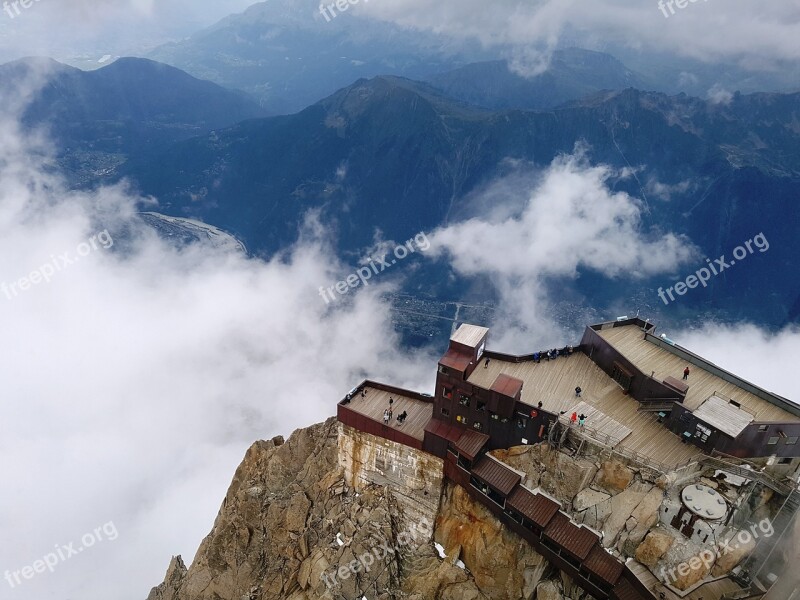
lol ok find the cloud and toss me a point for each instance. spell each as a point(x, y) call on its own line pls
point(759, 356)
point(135, 379)
point(719, 95)
point(708, 31)
point(554, 225)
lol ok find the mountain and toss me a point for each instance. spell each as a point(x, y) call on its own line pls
point(398, 155)
point(132, 106)
point(286, 54)
point(572, 74)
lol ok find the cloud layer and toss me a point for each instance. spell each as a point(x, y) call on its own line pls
point(137, 376)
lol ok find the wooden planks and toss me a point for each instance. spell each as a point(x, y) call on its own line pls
point(376, 401)
point(553, 382)
point(600, 421)
point(648, 357)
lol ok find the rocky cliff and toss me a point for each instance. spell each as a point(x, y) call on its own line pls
point(334, 513)
point(291, 528)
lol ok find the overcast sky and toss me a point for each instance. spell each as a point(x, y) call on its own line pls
point(758, 35)
point(136, 378)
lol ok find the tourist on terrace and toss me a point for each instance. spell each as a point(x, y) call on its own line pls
point(686, 373)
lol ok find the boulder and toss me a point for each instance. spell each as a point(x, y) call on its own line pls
point(613, 477)
point(588, 498)
point(654, 546)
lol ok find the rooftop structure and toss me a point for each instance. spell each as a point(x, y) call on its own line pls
point(637, 400)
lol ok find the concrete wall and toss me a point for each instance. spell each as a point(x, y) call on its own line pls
point(414, 478)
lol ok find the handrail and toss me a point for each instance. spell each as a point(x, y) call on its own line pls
point(779, 487)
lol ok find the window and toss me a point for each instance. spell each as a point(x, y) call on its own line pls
point(477, 425)
point(442, 369)
point(462, 419)
point(702, 433)
point(763, 427)
point(446, 412)
point(463, 399)
point(773, 441)
point(791, 441)
point(521, 423)
point(494, 416)
point(481, 405)
point(524, 441)
point(447, 392)
point(785, 461)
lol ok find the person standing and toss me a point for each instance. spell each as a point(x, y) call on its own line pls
point(578, 391)
point(686, 373)
point(581, 420)
point(573, 418)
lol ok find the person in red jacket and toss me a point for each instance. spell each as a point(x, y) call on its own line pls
point(686, 373)
point(573, 418)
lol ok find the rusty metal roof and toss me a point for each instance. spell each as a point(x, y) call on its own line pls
point(471, 443)
point(496, 475)
point(444, 430)
point(534, 507)
point(507, 385)
point(455, 360)
point(624, 590)
point(578, 541)
point(601, 564)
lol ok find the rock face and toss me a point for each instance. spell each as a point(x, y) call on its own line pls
point(557, 473)
point(303, 519)
point(502, 563)
point(654, 546)
point(289, 528)
point(614, 477)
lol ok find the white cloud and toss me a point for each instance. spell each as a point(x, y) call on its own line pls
point(761, 357)
point(137, 377)
point(552, 226)
point(737, 30)
point(719, 95)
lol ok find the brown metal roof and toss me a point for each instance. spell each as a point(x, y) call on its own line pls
point(624, 590)
point(455, 360)
point(534, 507)
point(601, 564)
point(471, 443)
point(444, 430)
point(507, 385)
point(578, 541)
point(496, 475)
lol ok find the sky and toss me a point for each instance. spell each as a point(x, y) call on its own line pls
point(136, 374)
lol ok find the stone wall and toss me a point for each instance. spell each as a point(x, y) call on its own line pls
point(413, 478)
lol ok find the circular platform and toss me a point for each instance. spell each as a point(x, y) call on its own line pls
point(704, 501)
